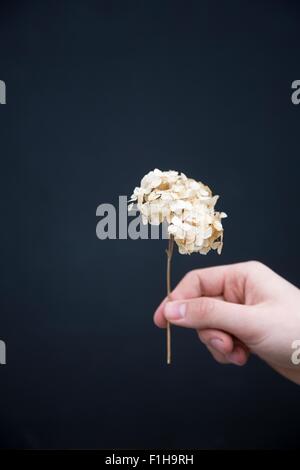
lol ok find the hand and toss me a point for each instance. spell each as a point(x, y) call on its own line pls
point(237, 310)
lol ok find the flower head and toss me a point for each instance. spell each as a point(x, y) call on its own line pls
point(187, 205)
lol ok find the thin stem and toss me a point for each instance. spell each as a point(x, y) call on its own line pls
point(169, 252)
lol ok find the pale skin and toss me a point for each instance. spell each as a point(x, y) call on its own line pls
point(238, 310)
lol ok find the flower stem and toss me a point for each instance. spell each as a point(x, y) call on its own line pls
point(169, 252)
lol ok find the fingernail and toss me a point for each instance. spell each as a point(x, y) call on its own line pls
point(217, 344)
point(175, 311)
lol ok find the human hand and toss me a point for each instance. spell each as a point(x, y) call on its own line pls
point(239, 309)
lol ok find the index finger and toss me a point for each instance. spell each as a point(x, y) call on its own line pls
point(208, 281)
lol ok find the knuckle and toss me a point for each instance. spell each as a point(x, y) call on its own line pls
point(191, 275)
point(204, 307)
point(255, 264)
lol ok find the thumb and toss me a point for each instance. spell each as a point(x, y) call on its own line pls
point(208, 312)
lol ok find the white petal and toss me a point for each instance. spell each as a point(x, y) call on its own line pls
point(218, 226)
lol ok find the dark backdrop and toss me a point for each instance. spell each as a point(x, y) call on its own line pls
point(99, 93)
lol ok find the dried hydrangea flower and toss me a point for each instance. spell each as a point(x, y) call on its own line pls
point(188, 206)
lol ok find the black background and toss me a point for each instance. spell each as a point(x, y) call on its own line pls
point(99, 93)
